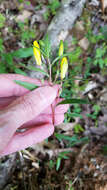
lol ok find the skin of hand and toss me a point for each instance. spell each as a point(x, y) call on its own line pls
point(35, 112)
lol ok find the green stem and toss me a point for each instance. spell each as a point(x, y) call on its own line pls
point(50, 70)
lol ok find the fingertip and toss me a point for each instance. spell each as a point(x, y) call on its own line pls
point(61, 109)
point(59, 118)
point(57, 87)
point(49, 92)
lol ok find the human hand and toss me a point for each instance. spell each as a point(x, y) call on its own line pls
point(33, 112)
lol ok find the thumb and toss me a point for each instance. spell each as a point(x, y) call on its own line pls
point(24, 109)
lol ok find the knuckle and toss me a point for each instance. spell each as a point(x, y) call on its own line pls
point(26, 107)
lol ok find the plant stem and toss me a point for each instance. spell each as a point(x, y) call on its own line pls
point(50, 72)
point(56, 76)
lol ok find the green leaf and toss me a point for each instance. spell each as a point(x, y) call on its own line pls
point(65, 137)
point(28, 3)
point(78, 128)
point(96, 108)
point(58, 163)
point(1, 45)
point(2, 20)
point(27, 85)
point(47, 46)
point(2, 68)
point(54, 5)
point(75, 115)
point(32, 68)
point(84, 139)
point(51, 164)
point(71, 140)
point(63, 154)
point(104, 31)
point(23, 52)
point(19, 71)
point(60, 57)
point(9, 60)
point(38, 70)
point(74, 101)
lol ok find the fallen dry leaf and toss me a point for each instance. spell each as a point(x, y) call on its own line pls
point(67, 126)
point(25, 14)
point(84, 43)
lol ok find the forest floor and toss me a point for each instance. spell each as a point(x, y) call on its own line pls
point(57, 163)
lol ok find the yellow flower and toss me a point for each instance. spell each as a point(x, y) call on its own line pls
point(63, 67)
point(37, 53)
point(61, 48)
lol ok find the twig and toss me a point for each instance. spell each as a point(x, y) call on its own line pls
point(57, 151)
point(50, 72)
point(21, 163)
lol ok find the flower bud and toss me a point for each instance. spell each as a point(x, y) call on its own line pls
point(63, 67)
point(37, 53)
point(61, 48)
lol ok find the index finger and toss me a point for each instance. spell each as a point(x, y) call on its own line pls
point(9, 88)
point(22, 110)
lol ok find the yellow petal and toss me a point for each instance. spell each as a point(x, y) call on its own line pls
point(63, 67)
point(37, 53)
point(61, 48)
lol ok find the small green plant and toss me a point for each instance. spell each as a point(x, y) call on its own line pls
point(2, 68)
point(7, 63)
point(2, 20)
point(14, 188)
point(62, 155)
point(25, 32)
point(100, 56)
point(71, 141)
point(96, 110)
point(1, 46)
point(76, 110)
point(51, 8)
point(104, 32)
point(70, 186)
point(78, 128)
point(28, 3)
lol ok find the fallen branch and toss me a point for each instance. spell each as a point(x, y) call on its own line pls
point(64, 21)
